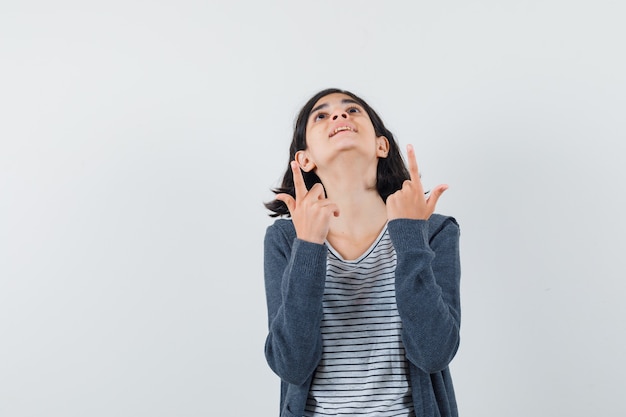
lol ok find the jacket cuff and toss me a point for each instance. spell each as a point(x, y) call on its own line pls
point(408, 235)
point(309, 259)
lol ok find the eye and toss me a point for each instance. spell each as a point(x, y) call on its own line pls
point(320, 116)
point(353, 110)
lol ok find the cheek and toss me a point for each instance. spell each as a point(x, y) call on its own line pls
point(314, 134)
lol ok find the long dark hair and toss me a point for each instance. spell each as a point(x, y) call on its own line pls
point(390, 173)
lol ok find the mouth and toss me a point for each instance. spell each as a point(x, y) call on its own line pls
point(341, 129)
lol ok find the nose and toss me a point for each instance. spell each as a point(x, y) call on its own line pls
point(339, 113)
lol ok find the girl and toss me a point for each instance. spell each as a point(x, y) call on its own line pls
point(361, 279)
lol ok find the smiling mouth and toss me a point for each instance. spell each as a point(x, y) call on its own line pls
point(341, 129)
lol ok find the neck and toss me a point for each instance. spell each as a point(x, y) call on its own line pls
point(361, 207)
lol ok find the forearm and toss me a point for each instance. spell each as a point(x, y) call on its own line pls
point(295, 291)
point(427, 292)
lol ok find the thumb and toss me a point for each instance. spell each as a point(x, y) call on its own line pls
point(289, 201)
point(435, 194)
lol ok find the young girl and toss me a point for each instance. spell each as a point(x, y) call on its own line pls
point(362, 282)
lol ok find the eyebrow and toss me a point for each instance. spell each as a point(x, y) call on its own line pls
point(344, 101)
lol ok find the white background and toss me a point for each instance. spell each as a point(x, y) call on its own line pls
point(139, 140)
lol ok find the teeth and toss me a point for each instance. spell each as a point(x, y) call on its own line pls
point(342, 128)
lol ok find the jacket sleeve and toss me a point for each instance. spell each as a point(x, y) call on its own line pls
point(295, 274)
point(427, 290)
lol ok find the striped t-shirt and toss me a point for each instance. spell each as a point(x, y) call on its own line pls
point(363, 371)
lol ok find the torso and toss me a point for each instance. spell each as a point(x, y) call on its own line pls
point(363, 370)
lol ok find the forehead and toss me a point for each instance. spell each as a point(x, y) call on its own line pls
point(333, 100)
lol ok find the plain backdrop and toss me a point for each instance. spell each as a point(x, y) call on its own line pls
point(139, 140)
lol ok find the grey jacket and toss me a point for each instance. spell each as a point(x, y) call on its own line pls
point(427, 295)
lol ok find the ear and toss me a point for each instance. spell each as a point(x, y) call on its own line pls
point(382, 147)
point(304, 161)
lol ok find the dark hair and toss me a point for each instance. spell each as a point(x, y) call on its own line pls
point(391, 171)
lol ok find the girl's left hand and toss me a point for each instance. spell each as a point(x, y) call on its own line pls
point(410, 202)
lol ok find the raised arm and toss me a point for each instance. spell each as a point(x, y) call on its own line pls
point(428, 289)
point(294, 287)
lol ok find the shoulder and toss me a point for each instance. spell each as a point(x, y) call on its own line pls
point(281, 232)
point(438, 223)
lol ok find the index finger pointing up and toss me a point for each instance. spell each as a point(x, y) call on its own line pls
point(298, 180)
point(413, 171)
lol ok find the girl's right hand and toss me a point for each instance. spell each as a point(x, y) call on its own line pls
point(310, 211)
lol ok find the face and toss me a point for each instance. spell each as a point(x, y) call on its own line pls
point(338, 124)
